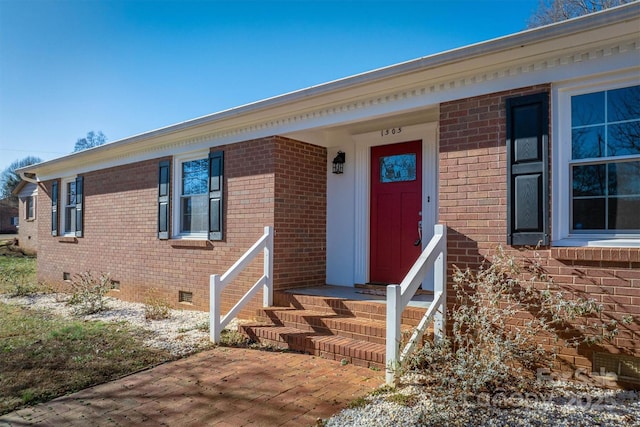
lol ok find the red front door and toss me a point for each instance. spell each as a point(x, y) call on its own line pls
point(396, 205)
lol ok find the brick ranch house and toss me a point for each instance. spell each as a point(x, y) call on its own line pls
point(528, 138)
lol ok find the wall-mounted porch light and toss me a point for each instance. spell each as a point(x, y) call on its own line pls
point(338, 163)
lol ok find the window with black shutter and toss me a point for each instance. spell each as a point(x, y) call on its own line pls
point(528, 170)
point(216, 175)
point(54, 208)
point(164, 180)
point(198, 208)
point(79, 206)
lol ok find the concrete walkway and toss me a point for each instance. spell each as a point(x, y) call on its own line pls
point(221, 387)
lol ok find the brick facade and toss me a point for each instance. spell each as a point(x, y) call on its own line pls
point(120, 226)
point(473, 185)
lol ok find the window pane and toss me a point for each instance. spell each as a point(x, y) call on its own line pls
point(587, 142)
point(70, 219)
point(194, 214)
point(624, 213)
point(589, 180)
point(398, 168)
point(623, 139)
point(624, 179)
point(623, 104)
point(195, 177)
point(587, 109)
point(589, 214)
point(29, 206)
point(71, 193)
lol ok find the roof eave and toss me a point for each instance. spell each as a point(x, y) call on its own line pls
point(557, 30)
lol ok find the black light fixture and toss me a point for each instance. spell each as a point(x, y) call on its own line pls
point(338, 163)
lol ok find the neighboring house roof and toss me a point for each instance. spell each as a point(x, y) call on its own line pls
point(8, 204)
point(480, 68)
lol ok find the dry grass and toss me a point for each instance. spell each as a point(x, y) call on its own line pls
point(44, 356)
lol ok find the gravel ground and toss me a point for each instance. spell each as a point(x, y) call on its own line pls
point(563, 404)
point(181, 334)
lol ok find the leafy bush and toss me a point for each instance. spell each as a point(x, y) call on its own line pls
point(88, 292)
point(494, 343)
point(156, 307)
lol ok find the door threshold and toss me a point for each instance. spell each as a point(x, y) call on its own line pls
point(380, 287)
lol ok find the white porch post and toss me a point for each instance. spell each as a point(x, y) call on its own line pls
point(215, 328)
point(394, 317)
point(440, 284)
point(267, 290)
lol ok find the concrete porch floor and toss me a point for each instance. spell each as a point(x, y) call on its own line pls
point(377, 295)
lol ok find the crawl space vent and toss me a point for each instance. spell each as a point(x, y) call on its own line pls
point(625, 367)
point(184, 296)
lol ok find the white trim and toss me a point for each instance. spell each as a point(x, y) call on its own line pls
point(427, 133)
point(561, 157)
point(177, 193)
point(63, 207)
point(26, 207)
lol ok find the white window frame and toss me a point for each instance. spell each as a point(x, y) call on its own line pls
point(63, 207)
point(177, 194)
point(561, 158)
point(30, 201)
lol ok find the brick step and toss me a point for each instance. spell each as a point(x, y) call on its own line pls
point(323, 323)
point(376, 311)
point(331, 347)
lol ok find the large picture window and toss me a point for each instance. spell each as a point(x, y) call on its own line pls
point(605, 161)
point(596, 163)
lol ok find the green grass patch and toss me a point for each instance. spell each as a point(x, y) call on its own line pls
point(44, 356)
point(17, 275)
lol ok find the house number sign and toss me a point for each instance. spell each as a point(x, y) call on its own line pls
point(390, 131)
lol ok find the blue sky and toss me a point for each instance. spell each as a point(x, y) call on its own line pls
point(127, 67)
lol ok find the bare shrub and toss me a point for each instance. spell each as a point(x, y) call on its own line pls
point(88, 292)
point(156, 307)
point(501, 312)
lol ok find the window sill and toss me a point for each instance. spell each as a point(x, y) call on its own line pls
point(67, 239)
point(593, 253)
point(193, 244)
point(576, 242)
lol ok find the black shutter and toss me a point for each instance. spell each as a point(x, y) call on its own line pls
point(528, 170)
point(164, 180)
point(79, 205)
point(216, 175)
point(54, 208)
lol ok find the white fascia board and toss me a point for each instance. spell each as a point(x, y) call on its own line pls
point(569, 36)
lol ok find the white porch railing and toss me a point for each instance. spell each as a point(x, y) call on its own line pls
point(398, 296)
point(218, 283)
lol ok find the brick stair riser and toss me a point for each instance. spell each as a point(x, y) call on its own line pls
point(363, 355)
point(323, 325)
point(336, 306)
